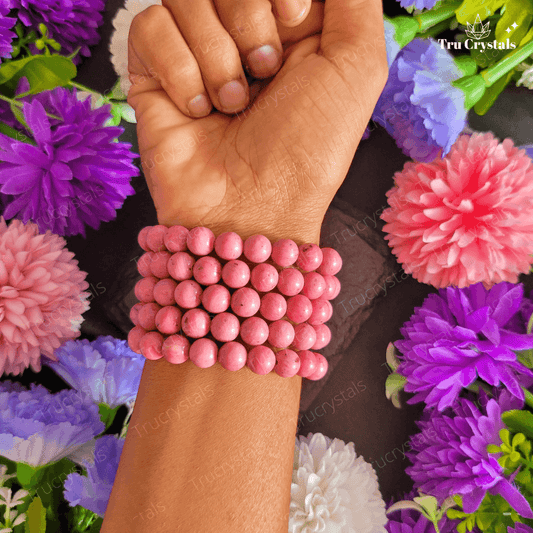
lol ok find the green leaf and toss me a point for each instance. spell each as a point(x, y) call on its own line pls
point(519, 438)
point(525, 356)
point(28, 476)
point(429, 503)
point(117, 93)
point(19, 115)
point(405, 504)
point(35, 517)
point(395, 383)
point(492, 448)
point(519, 12)
point(490, 96)
point(391, 358)
point(96, 526)
point(484, 520)
point(107, 414)
point(11, 132)
point(505, 436)
point(519, 422)
point(127, 113)
point(470, 9)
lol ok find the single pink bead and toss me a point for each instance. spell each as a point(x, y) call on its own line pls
point(287, 363)
point(333, 287)
point(284, 252)
point(254, 331)
point(176, 349)
point(156, 238)
point(195, 323)
point(207, 270)
point(141, 238)
point(151, 345)
point(322, 312)
point(323, 336)
point(215, 298)
point(281, 334)
point(331, 262)
point(134, 337)
point(180, 266)
point(310, 257)
point(291, 281)
point(299, 308)
point(261, 360)
point(164, 291)
point(308, 363)
point(273, 306)
point(228, 246)
point(232, 356)
point(304, 336)
point(236, 274)
point(225, 327)
point(264, 277)
point(203, 353)
point(159, 263)
point(144, 289)
point(134, 313)
point(188, 294)
point(321, 368)
point(146, 316)
point(245, 302)
point(257, 248)
point(201, 241)
point(314, 285)
point(176, 239)
point(168, 320)
point(143, 264)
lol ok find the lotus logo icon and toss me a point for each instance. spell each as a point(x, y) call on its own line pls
point(478, 30)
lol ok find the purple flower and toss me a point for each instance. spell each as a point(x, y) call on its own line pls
point(93, 491)
point(393, 48)
point(6, 35)
point(106, 369)
point(458, 335)
point(76, 175)
point(529, 149)
point(419, 107)
point(451, 454)
point(38, 428)
point(519, 528)
point(419, 4)
point(72, 23)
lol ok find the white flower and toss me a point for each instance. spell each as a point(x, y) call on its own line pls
point(3, 476)
point(527, 78)
point(119, 40)
point(333, 490)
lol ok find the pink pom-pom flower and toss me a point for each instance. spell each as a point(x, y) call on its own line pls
point(41, 296)
point(466, 218)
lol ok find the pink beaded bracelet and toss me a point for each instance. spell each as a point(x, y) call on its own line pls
point(250, 303)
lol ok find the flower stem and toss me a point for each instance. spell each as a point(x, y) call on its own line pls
point(432, 17)
point(436, 526)
point(20, 105)
point(83, 88)
point(509, 62)
point(529, 397)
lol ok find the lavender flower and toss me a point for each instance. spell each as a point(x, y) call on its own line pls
point(458, 335)
point(6, 35)
point(106, 369)
point(529, 149)
point(457, 461)
point(93, 492)
point(418, 4)
point(76, 174)
point(419, 107)
point(393, 48)
point(38, 428)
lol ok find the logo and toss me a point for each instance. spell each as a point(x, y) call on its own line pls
point(477, 30)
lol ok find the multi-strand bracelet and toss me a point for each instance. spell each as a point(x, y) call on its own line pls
point(278, 294)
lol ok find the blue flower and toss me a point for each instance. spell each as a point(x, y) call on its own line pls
point(393, 48)
point(106, 369)
point(419, 4)
point(419, 106)
point(93, 491)
point(37, 427)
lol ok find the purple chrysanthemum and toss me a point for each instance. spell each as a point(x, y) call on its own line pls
point(72, 23)
point(93, 491)
point(520, 528)
point(419, 107)
point(419, 4)
point(6, 35)
point(457, 460)
point(76, 174)
point(458, 335)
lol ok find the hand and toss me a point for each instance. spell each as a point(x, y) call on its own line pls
point(275, 167)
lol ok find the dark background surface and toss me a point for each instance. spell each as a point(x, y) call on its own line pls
point(378, 430)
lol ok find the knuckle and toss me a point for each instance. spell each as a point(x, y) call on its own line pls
point(147, 21)
point(178, 68)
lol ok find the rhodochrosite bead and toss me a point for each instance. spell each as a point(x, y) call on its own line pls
point(273, 306)
point(333, 287)
point(144, 289)
point(216, 298)
point(284, 252)
point(155, 239)
point(146, 316)
point(291, 281)
point(264, 277)
point(309, 257)
point(322, 312)
point(141, 238)
point(164, 291)
point(151, 345)
point(203, 353)
point(207, 270)
point(180, 266)
point(236, 274)
point(232, 356)
point(323, 336)
point(201, 241)
point(134, 312)
point(176, 239)
point(308, 363)
point(331, 262)
point(257, 248)
point(314, 285)
point(228, 246)
point(287, 363)
point(159, 264)
point(188, 294)
point(321, 369)
point(281, 334)
point(168, 320)
point(254, 331)
point(245, 302)
point(195, 323)
point(134, 337)
point(176, 349)
point(225, 327)
point(304, 336)
point(143, 264)
point(299, 308)
point(261, 360)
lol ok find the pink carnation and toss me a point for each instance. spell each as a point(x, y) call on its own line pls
point(466, 218)
point(41, 298)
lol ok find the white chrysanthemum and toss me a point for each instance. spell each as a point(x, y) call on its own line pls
point(527, 78)
point(333, 490)
point(119, 40)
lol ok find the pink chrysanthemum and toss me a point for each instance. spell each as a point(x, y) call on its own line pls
point(466, 218)
point(41, 296)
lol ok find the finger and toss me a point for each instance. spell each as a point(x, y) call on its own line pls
point(159, 49)
point(215, 51)
point(310, 26)
point(252, 26)
point(290, 13)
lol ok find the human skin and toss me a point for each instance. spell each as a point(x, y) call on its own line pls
point(224, 464)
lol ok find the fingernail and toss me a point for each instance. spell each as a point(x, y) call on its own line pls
point(200, 106)
point(264, 61)
point(232, 96)
point(291, 11)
